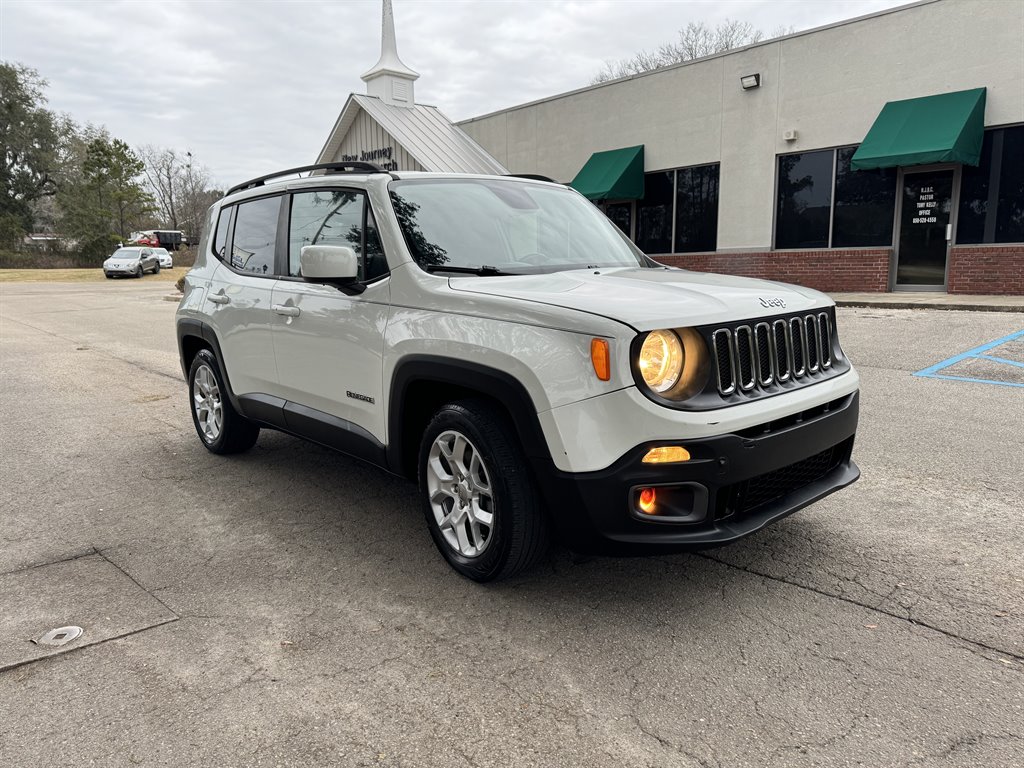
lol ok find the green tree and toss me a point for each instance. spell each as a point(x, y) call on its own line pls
point(29, 140)
point(103, 202)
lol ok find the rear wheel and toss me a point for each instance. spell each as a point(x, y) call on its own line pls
point(479, 499)
point(220, 427)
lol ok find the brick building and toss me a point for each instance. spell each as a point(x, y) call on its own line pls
point(880, 153)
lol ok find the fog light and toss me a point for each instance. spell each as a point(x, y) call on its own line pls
point(646, 502)
point(666, 454)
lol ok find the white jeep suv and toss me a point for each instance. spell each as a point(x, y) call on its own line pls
point(499, 341)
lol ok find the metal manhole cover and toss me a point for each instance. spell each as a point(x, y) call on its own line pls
point(60, 636)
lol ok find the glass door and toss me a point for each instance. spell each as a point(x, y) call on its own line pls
point(926, 228)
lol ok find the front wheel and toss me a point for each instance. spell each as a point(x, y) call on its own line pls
point(138, 271)
point(221, 428)
point(479, 499)
point(156, 269)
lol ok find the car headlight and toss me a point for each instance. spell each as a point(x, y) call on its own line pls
point(673, 363)
point(661, 360)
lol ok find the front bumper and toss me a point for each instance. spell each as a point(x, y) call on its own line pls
point(733, 485)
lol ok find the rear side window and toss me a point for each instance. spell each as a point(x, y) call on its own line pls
point(254, 244)
point(336, 217)
point(220, 242)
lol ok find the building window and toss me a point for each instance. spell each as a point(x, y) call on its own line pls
point(823, 203)
point(865, 204)
point(621, 215)
point(992, 193)
point(654, 213)
point(696, 209)
point(678, 213)
point(804, 200)
point(254, 244)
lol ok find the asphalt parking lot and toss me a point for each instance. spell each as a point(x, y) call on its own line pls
point(287, 607)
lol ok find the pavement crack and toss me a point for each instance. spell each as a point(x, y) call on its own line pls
point(87, 552)
point(135, 581)
point(876, 608)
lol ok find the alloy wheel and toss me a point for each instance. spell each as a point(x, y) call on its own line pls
point(461, 497)
point(206, 400)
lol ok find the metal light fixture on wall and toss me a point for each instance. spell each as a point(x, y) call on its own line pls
point(751, 81)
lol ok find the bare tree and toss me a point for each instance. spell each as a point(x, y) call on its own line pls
point(694, 40)
point(163, 167)
point(180, 186)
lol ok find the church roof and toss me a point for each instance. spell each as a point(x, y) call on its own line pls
point(424, 132)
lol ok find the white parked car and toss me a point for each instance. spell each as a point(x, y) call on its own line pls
point(133, 262)
point(498, 341)
point(165, 258)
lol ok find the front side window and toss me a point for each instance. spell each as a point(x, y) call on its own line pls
point(254, 245)
point(513, 226)
point(335, 217)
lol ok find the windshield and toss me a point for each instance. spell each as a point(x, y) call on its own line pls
point(513, 226)
point(126, 253)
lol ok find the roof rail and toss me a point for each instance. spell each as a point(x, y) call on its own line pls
point(352, 166)
point(533, 176)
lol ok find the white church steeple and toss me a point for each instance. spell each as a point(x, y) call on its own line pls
point(389, 79)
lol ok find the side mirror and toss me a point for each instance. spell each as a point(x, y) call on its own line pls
point(334, 263)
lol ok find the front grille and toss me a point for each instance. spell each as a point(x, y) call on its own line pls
point(750, 358)
point(745, 497)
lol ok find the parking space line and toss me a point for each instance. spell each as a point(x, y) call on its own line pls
point(1016, 363)
point(978, 353)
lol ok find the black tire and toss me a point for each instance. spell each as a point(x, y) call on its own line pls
point(519, 536)
point(139, 271)
point(236, 434)
point(156, 269)
point(108, 276)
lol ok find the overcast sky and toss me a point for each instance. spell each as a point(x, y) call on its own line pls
point(250, 86)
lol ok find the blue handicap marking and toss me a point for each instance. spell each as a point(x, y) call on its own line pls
point(978, 353)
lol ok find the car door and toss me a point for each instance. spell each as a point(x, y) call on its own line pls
point(148, 260)
point(328, 342)
point(239, 297)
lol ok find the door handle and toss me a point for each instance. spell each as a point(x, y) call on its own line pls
point(281, 309)
point(220, 298)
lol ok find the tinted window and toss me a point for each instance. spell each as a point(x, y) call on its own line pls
point(865, 204)
point(220, 243)
point(804, 200)
point(992, 194)
point(697, 209)
point(654, 213)
point(253, 246)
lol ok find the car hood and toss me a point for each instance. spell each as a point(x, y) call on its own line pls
point(651, 298)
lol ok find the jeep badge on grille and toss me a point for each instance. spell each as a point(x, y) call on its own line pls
point(772, 302)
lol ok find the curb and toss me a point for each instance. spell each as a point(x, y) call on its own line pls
point(917, 305)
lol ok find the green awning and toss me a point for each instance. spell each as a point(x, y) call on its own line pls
point(945, 128)
point(617, 174)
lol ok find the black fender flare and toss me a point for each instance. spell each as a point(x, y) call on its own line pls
point(490, 382)
point(186, 327)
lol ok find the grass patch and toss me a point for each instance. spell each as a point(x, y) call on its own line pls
point(91, 275)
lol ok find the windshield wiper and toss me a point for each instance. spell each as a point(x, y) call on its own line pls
point(483, 270)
